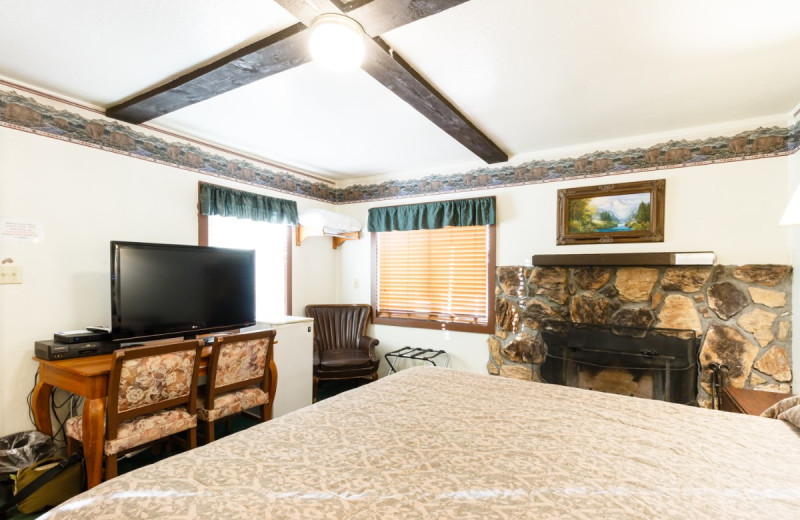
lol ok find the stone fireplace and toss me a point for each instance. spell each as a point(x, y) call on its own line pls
point(741, 316)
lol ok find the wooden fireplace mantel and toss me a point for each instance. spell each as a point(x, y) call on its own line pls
point(621, 259)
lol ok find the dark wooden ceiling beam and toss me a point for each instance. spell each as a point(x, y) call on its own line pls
point(276, 53)
point(307, 10)
point(289, 48)
point(381, 16)
point(396, 74)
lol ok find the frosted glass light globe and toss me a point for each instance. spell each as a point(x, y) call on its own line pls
point(336, 42)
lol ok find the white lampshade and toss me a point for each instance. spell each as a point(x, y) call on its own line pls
point(336, 42)
point(792, 214)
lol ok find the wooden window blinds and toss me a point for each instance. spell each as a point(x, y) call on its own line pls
point(435, 276)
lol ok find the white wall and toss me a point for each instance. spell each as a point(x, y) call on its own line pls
point(732, 209)
point(794, 245)
point(83, 198)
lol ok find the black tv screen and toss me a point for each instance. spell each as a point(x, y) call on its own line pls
point(164, 290)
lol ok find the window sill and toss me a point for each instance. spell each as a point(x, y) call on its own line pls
point(436, 325)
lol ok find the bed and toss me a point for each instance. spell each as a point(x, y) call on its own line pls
point(438, 443)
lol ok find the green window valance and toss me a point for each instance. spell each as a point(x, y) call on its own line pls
point(227, 202)
point(434, 215)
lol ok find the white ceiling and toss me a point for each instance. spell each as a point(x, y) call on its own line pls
point(533, 75)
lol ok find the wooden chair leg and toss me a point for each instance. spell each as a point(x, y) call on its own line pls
point(266, 412)
point(111, 466)
point(314, 391)
point(210, 431)
point(192, 438)
point(228, 426)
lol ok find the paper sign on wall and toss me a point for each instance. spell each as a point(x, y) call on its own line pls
point(18, 230)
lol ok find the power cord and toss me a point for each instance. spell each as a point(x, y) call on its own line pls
point(69, 403)
point(30, 397)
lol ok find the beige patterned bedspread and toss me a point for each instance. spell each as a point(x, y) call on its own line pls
point(438, 443)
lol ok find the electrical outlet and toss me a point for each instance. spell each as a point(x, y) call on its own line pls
point(10, 274)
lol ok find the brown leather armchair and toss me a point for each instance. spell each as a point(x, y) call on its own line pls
point(342, 350)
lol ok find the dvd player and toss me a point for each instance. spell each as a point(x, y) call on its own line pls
point(82, 336)
point(51, 350)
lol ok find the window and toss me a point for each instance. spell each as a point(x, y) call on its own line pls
point(272, 245)
point(435, 278)
point(244, 220)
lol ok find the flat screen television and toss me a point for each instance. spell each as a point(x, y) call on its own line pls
point(165, 290)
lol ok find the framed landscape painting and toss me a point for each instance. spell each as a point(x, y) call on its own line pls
point(612, 213)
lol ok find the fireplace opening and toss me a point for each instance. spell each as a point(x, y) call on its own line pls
point(651, 363)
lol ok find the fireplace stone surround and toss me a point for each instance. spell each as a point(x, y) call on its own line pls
point(741, 315)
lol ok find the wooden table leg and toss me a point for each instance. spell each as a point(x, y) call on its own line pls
point(94, 412)
point(41, 407)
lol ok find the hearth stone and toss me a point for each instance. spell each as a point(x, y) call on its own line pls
point(609, 291)
point(591, 278)
point(636, 283)
point(525, 348)
point(725, 345)
point(512, 280)
point(506, 315)
point(590, 310)
point(784, 328)
point(559, 295)
point(759, 322)
point(775, 363)
point(535, 311)
point(549, 277)
point(685, 279)
point(769, 275)
point(494, 350)
point(517, 372)
point(726, 300)
point(766, 297)
point(639, 318)
point(658, 297)
point(678, 312)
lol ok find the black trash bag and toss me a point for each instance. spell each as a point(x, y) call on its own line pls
point(20, 450)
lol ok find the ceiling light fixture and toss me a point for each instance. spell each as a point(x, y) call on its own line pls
point(336, 41)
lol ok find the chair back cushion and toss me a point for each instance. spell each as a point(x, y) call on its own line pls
point(238, 361)
point(339, 327)
point(146, 380)
point(241, 361)
point(150, 380)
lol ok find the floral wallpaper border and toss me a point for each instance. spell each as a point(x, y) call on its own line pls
point(28, 114)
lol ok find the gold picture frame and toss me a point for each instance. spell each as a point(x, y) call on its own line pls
point(612, 213)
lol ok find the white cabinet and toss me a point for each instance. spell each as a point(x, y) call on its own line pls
point(293, 355)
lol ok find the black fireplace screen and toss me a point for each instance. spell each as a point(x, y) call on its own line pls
point(653, 363)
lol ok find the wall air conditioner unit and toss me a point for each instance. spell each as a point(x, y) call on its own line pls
point(320, 222)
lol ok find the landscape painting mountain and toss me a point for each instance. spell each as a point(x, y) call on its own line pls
point(611, 213)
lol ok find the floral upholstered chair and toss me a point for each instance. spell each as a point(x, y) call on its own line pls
point(241, 375)
point(152, 394)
